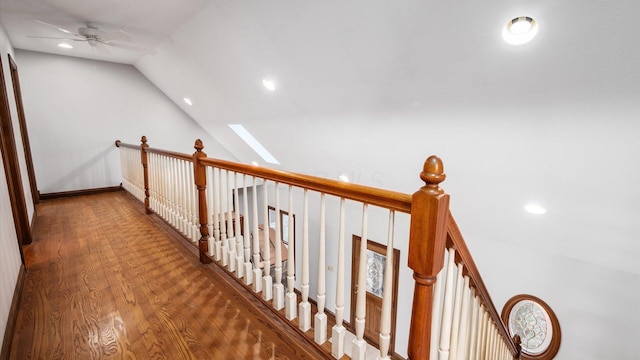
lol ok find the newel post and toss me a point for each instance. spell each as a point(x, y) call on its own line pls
point(200, 176)
point(145, 170)
point(427, 242)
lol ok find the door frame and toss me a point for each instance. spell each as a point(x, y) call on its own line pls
point(24, 133)
point(355, 255)
point(12, 169)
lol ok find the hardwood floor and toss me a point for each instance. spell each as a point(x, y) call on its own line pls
point(106, 281)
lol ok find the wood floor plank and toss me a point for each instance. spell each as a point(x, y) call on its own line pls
point(104, 281)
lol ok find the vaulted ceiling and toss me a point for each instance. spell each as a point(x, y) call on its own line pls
point(371, 88)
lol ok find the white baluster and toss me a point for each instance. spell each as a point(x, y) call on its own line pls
point(278, 288)
point(230, 223)
point(187, 199)
point(174, 193)
point(182, 189)
point(166, 181)
point(304, 308)
point(224, 248)
point(257, 272)
point(151, 179)
point(447, 311)
point(492, 342)
point(337, 337)
point(195, 222)
point(485, 334)
point(385, 321)
point(248, 274)
point(159, 183)
point(291, 299)
point(436, 318)
point(473, 335)
point(217, 234)
point(239, 241)
point(211, 189)
point(464, 320)
point(267, 281)
point(169, 191)
point(457, 309)
point(320, 318)
point(227, 243)
point(359, 346)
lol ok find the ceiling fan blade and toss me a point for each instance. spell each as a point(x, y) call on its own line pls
point(100, 48)
point(130, 47)
point(120, 35)
point(59, 28)
point(53, 37)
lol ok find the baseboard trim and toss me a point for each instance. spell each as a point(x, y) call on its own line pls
point(13, 316)
point(63, 194)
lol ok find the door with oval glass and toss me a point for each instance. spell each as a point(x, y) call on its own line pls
point(376, 261)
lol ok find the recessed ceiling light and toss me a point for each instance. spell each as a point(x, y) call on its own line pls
point(269, 84)
point(188, 101)
point(520, 30)
point(535, 209)
point(65, 46)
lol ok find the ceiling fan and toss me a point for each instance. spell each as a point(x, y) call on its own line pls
point(96, 38)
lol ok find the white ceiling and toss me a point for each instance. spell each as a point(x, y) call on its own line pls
point(371, 88)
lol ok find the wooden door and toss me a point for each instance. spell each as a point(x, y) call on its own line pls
point(376, 260)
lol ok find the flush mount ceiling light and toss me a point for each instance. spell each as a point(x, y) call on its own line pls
point(188, 101)
point(535, 209)
point(520, 30)
point(65, 46)
point(269, 84)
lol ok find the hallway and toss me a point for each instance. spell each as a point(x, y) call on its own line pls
point(106, 281)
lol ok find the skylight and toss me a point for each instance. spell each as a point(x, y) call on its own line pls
point(253, 143)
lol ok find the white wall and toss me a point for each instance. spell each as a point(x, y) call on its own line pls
point(77, 108)
point(9, 252)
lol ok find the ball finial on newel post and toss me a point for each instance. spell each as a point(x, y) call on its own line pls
point(433, 174)
point(198, 145)
point(143, 139)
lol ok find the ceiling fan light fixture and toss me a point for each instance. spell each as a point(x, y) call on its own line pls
point(65, 46)
point(520, 30)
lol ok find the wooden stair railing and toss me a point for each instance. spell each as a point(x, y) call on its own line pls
point(216, 204)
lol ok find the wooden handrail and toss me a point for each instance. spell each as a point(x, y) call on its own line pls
point(463, 256)
point(373, 196)
point(384, 198)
